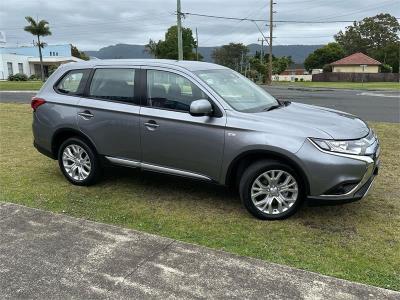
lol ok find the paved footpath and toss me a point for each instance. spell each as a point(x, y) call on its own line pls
point(45, 255)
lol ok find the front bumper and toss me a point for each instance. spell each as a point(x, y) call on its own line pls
point(361, 188)
point(359, 192)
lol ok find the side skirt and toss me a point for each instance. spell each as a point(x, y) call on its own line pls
point(155, 168)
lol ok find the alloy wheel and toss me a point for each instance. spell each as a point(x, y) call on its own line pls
point(274, 192)
point(76, 162)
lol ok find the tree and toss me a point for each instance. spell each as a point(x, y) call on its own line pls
point(38, 28)
point(280, 64)
point(79, 54)
point(152, 48)
point(169, 47)
point(232, 56)
point(376, 36)
point(323, 56)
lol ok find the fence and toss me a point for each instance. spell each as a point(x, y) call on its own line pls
point(356, 77)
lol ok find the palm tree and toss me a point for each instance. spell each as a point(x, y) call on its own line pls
point(38, 28)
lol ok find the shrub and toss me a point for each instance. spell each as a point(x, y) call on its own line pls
point(301, 79)
point(34, 77)
point(18, 77)
point(52, 68)
point(327, 69)
point(296, 79)
point(385, 68)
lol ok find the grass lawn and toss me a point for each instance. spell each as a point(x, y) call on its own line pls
point(345, 85)
point(358, 241)
point(20, 85)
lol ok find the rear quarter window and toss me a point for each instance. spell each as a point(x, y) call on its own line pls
point(73, 82)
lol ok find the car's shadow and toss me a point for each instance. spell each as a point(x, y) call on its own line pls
point(201, 191)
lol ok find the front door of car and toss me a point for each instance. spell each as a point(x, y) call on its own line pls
point(109, 113)
point(172, 139)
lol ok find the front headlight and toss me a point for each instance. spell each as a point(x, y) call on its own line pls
point(356, 147)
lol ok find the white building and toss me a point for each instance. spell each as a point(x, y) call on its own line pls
point(26, 60)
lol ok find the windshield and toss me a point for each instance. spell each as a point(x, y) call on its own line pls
point(239, 92)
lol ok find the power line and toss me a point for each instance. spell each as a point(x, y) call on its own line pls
point(365, 8)
point(265, 20)
point(233, 28)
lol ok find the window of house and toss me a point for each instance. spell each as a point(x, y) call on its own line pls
point(113, 84)
point(73, 83)
point(171, 91)
point(56, 53)
point(10, 68)
point(20, 68)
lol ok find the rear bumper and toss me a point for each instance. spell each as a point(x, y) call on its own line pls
point(43, 150)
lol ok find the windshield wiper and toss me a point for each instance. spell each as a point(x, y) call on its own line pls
point(272, 107)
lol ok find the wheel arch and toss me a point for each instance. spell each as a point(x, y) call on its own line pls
point(62, 134)
point(240, 162)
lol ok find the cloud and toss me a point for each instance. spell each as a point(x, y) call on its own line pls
point(93, 24)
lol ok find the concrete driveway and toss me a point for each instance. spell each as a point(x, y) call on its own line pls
point(45, 255)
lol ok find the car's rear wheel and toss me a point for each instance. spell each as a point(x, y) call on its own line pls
point(271, 190)
point(78, 162)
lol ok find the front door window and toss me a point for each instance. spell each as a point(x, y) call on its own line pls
point(171, 91)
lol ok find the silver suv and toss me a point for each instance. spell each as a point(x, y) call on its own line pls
point(203, 121)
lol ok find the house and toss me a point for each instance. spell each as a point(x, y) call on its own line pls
point(356, 63)
point(26, 60)
point(295, 72)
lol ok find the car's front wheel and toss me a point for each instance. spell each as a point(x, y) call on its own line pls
point(78, 162)
point(271, 190)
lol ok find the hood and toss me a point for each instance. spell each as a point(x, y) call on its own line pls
point(337, 124)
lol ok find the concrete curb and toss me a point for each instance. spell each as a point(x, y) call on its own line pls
point(66, 257)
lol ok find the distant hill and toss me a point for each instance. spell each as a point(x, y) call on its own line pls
point(298, 52)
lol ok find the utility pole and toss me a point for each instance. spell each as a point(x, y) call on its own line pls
point(271, 26)
point(197, 45)
point(179, 25)
point(241, 64)
point(262, 50)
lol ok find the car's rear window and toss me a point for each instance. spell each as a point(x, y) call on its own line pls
point(73, 82)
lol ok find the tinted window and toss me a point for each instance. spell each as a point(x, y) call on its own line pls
point(113, 84)
point(73, 83)
point(171, 91)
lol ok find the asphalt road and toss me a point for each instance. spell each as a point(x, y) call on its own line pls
point(380, 106)
point(52, 256)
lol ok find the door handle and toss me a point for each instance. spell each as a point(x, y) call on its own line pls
point(151, 124)
point(86, 114)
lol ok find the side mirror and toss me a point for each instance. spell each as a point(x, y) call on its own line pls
point(200, 107)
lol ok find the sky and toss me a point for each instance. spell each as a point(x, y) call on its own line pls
point(92, 24)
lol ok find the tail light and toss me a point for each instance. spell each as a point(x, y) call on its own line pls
point(36, 102)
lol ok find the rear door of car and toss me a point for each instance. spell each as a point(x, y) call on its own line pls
point(174, 141)
point(109, 112)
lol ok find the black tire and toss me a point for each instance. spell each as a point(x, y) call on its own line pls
point(95, 166)
point(252, 173)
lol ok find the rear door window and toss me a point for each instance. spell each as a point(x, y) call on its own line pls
point(113, 84)
point(73, 82)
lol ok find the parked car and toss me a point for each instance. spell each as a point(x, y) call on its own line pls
point(203, 121)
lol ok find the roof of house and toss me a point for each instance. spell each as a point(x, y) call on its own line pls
point(356, 59)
